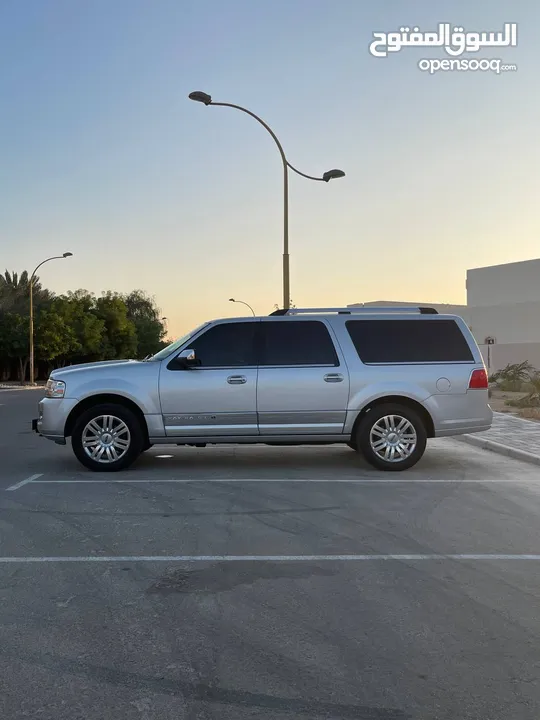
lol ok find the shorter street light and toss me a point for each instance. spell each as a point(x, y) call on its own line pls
point(56, 257)
point(243, 303)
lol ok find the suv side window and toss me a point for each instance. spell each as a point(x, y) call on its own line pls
point(409, 341)
point(227, 345)
point(296, 342)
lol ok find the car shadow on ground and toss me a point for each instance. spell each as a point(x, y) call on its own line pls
point(444, 459)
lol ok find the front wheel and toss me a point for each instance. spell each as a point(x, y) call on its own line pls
point(107, 438)
point(392, 437)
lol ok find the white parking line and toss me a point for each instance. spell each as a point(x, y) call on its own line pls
point(349, 481)
point(265, 558)
point(28, 480)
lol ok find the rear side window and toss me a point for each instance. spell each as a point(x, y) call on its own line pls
point(409, 341)
point(296, 342)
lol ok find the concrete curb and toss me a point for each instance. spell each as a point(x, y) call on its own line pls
point(500, 449)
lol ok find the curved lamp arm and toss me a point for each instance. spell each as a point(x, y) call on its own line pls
point(259, 120)
point(55, 257)
point(207, 100)
point(243, 303)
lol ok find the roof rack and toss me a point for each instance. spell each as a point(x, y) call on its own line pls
point(361, 310)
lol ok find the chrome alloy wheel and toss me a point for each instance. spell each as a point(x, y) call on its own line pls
point(393, 438)
point(106, 439)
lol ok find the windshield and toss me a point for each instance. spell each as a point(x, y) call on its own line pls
point(162, 354)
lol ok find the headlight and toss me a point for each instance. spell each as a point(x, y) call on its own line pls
point(55, 388)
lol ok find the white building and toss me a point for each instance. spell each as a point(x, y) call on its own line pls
point(509, 284)
point(503, 311)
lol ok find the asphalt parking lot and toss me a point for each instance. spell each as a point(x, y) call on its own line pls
point(265, 583)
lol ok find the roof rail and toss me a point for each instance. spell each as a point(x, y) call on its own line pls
point(360, 310)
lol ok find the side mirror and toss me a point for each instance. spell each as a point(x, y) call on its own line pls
point(186, 360)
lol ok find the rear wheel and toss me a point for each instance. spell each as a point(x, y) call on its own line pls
point(392, 437)
point(107, 438)
point(353, 446)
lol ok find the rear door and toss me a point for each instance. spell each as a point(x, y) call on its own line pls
point(303, 382)
point(429, 359)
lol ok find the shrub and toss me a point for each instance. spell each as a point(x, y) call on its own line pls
point(532, 398)
point(514, 376)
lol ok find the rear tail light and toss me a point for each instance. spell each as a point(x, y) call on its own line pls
point(479, 380)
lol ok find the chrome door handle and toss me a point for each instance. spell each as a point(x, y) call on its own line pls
point(236, 379)
point(333, 377)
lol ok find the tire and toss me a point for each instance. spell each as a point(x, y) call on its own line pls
point(353, 446)
point(382, 422)
point(127, 445)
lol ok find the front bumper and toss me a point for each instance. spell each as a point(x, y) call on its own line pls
point(52, 417)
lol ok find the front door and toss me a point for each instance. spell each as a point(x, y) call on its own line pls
point(303, 385)
point(219, 397)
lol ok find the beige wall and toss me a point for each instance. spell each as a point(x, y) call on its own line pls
point(517, 323)
point(502, 355)
point(504, 284)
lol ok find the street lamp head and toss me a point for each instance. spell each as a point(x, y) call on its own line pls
point(232, 300)
point(200, 96)
point(68, 254)
point(332, 175)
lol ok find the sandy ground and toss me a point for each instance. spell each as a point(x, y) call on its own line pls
point(498, 404)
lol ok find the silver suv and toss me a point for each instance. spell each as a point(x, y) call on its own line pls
point(381, 380)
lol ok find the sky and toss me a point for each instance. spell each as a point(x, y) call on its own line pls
point(103, 155)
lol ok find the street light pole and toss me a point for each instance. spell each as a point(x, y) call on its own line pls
point(243, 303)
point(56, 257)
point(206, 99)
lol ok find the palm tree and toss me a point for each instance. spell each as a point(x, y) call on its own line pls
point(15, 292)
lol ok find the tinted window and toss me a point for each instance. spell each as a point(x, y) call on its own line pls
point(296, 343)
point(408, 341)
point(227, 345)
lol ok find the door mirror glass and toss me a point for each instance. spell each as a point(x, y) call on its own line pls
point(187, 355)
point(186, 360)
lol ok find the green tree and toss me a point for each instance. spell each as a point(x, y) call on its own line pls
point(54, 337)
point(76, 327)
point(77, 309)
point(14, 342)
point(143, 312)
point(119, 339)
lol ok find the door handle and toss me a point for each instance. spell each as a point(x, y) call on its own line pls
point(333, 377)
point(236, 379)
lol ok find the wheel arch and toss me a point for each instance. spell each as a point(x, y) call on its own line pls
point(101, 399)
point(397, 400)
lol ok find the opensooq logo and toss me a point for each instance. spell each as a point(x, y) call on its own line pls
point(455, 41)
